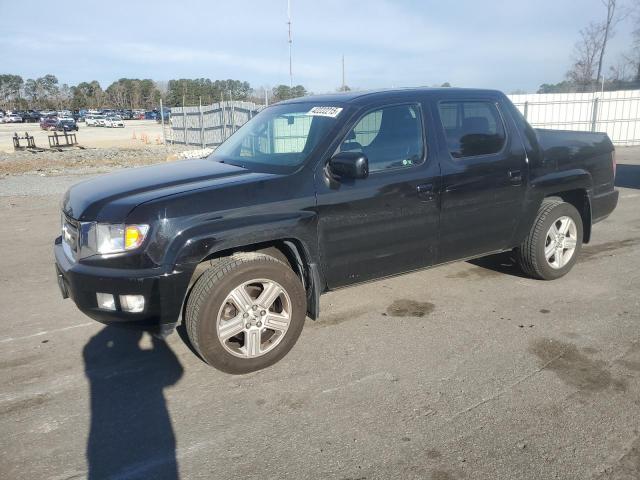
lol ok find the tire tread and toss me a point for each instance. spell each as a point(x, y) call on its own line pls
point(526, 254)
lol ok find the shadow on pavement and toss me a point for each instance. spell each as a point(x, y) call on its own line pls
point(628, 176)
point(131, 434)
point(500, 263)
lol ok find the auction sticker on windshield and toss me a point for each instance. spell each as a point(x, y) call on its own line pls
point(332, 112)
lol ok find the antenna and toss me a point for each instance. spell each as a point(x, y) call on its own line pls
point(290, 42)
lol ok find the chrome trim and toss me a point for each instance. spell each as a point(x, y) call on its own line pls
point(78, 238)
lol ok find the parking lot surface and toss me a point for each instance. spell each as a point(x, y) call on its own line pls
point(467, 371)
point(93, 137)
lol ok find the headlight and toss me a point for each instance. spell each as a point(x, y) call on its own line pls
point(119, 238)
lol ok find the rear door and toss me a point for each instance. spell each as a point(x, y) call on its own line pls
point(386, 223)
point(484, 174)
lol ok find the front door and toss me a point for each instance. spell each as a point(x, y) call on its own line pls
point(484, 173)
point(386, 223)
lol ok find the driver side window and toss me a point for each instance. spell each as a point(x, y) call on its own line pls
point(390, 137)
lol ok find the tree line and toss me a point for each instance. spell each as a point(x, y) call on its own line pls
point(130, 93)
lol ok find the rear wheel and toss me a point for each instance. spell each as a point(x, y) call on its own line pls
point(554, 242)
point(245, 312)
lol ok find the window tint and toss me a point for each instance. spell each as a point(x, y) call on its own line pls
point(390, 137)
point(472, 128)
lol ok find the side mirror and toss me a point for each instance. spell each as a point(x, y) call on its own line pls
point(349, 165)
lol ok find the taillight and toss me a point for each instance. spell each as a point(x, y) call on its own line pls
point(613, 162)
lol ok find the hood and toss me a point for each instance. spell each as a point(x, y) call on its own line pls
point(109, 198)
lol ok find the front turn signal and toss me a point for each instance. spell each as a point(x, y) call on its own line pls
point(134, 235)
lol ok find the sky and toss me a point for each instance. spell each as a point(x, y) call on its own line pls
point(509, 45)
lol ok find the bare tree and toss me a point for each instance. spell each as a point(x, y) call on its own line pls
point(589, 51)
point(586, 53)
point(633, 56)
point(607, 28)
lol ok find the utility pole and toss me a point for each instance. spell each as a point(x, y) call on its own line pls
point(290, 42)
point(343, 83)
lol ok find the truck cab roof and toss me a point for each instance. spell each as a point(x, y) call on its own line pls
point(372, 96)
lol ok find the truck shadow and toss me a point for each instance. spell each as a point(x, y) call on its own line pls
point(502, 263)
point(131, 434)
point(628, 176)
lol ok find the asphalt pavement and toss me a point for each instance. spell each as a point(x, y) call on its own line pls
point(466, 371)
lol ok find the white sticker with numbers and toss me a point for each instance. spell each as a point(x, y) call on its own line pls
point(332, 112)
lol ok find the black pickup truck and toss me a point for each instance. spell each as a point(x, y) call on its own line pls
point(319, 193)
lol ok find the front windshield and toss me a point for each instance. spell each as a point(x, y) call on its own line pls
point(280, 138)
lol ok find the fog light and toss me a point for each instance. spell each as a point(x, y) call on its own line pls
point(132, 303)
point(106, 301)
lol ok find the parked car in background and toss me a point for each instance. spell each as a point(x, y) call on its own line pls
point(13, 118)
point(31, 116)
point(93, 120)
point(166, 113)
point(66, 125)
point(114, 122)
point(48, 123)
point(151, 114)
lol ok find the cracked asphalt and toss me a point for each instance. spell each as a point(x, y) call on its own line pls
point(466, 371)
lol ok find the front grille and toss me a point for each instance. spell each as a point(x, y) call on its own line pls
point(70, 236)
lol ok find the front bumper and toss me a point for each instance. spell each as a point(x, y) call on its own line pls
point(164, 292)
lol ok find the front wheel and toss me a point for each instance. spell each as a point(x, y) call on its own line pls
point(245, 312)
point(554, 242)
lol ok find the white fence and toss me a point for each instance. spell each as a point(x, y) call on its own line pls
point(209, 125)
point(616, 113)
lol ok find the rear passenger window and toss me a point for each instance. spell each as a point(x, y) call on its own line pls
point(472, 128)
point(390, 137)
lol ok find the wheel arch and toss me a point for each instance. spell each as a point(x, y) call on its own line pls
point(581, 200)
point(291, 251)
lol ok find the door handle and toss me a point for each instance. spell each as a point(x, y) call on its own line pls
point(426, 191)
point(515, 176)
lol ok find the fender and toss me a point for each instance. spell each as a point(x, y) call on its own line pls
point(206, 240)
point(561, 181)
point(202, 241)
point(553, 183)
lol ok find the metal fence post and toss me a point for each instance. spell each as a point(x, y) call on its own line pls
point(184, 121)
point(526, 110)
point(201, 124)
point(223, 131)
point(594, 117)
point(233, 114)
point(164, 139)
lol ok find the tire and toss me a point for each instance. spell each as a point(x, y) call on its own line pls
point(531, 254)
point(210, 301)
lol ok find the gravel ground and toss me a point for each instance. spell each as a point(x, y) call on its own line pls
point(77, 161)
point(466, 371)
